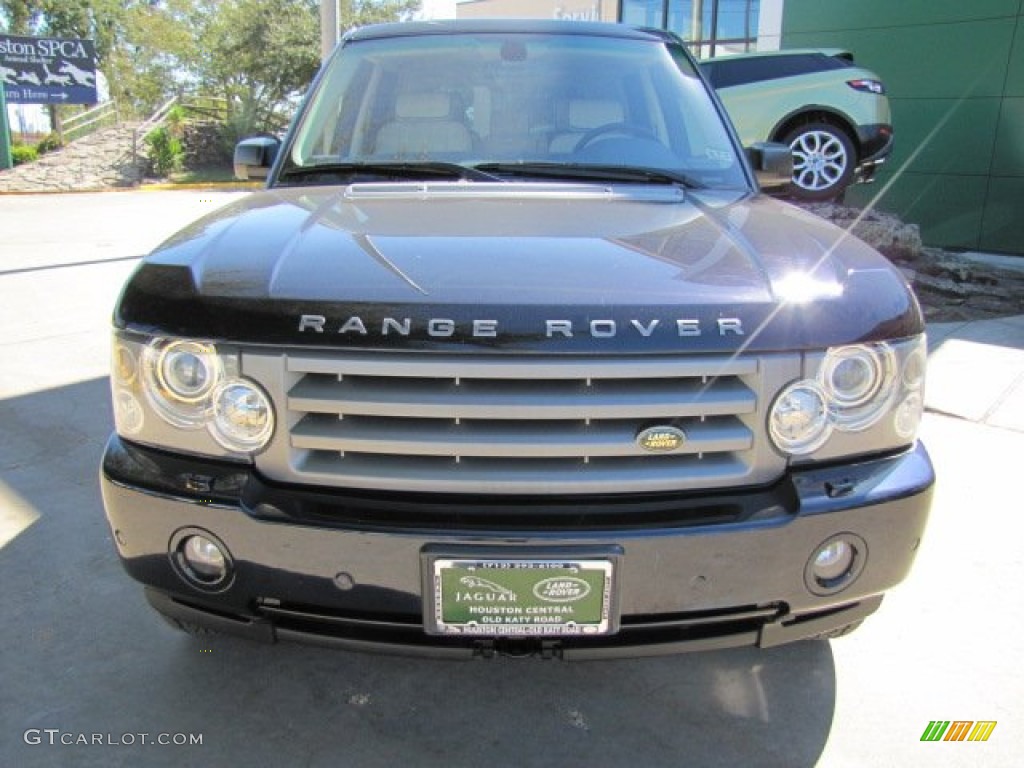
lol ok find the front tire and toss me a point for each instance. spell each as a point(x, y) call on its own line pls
point(823, 161)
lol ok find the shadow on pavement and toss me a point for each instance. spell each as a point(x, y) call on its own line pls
point(83, 654)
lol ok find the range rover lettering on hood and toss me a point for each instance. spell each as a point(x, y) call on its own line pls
point(442, 327)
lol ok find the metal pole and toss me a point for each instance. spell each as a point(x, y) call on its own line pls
point(5, 131)
point(328, 27)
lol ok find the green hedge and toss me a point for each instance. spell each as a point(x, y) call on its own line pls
point(22, 153)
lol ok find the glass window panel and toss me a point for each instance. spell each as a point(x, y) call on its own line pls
point(647, 13)
point(737, 19)
point(680, 18)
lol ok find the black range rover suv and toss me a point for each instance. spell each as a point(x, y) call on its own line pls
point(512, 356)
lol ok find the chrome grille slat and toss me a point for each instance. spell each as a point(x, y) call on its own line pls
point(444, 398)
point(407, 473)
point(445, 366)
point(434, 437)
point(517, 424)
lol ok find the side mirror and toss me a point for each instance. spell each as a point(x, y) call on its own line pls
point(254, 157)
point(773, 164)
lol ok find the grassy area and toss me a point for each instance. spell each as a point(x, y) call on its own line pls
point(203, 176)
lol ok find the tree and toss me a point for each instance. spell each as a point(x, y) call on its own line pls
point(358, 13)
point(154, 55)
point(258, 54)
point(19, 15)
point(140, 44)
point(261, 55)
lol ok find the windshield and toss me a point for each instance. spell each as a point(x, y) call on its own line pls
point(513, 105)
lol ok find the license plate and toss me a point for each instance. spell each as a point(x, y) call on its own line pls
point(504, 598)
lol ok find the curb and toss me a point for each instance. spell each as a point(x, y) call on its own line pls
point(227, 186)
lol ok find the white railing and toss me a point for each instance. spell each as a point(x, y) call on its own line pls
point(89, 121)
point(152, 122)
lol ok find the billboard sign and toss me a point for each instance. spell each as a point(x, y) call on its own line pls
point(47, 70)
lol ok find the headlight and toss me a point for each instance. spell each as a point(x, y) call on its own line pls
point(799, 421)
point(188, 370)
point(179, 377)
point(188, 395)
point(860, 383)
point(860, 398)
point(242, 417)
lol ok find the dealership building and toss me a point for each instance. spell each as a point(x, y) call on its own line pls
point(955, 78)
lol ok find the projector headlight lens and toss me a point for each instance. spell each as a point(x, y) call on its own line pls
point(179, 377)
point(188, 371)
point(851, 375)
point(860, 383)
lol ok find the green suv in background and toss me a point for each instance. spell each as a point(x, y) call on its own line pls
point(834, 115)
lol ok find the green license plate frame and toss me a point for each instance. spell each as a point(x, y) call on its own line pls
point(509, 596)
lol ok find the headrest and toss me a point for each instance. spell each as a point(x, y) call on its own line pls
point(585, 114)
point(423, 106)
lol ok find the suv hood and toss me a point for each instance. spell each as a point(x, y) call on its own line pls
point(520, 267)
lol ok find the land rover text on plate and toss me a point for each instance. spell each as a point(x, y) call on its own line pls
point(511, 356)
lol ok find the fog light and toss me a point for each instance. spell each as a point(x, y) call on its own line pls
point(835, 564)
point(205, 558)
point(201, 559)
point(833, 561)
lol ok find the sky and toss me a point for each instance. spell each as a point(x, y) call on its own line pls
point(438, 9)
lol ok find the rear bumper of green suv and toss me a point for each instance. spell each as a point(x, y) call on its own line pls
point(875, 144)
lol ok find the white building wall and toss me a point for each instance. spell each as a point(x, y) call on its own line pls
point(769, 26)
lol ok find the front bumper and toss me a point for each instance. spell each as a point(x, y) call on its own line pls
point(696, 572)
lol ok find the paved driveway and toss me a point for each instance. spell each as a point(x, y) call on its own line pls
point(85, 660)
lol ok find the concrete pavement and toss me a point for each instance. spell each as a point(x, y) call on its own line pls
point(976, 371)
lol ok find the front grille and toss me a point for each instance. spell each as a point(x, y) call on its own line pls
point(516, 425)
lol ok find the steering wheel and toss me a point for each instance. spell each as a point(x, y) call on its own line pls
point(626, 129)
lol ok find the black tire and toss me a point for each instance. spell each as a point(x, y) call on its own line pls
point(824, 161)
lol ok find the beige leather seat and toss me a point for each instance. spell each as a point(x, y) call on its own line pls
point(581, 116)
point(422, 126)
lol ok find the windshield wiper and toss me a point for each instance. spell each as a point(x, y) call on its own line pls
point(428, 169)
point(591, 172)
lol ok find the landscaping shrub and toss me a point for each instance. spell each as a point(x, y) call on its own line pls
point(165, 151)
point(49, 143)
point(22, 153)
